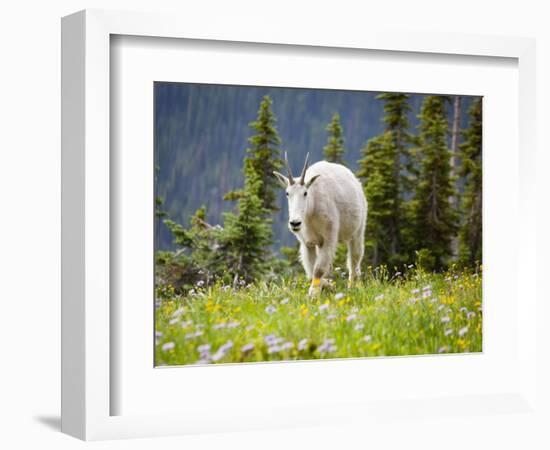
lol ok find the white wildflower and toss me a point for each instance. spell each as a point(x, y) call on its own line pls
point(284, 301)
point(339, 296)
point(323, 307)
point(174, 321)
point(186, 323)
point(379, 297)
point(462, 331)
point(218, 326)
point(270, 309)
point(178, 312)
point(200, 283)
point(359, 326)
point(287, 346)
point(233, 324)
point(331, 316)
point(351, 317)
point(367, 338)
point(448, 331)
point(445, 319)
point(470, 315)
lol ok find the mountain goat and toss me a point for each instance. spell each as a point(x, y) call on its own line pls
point(326, 205)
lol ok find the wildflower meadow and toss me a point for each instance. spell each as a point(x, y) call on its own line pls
point(412, 314)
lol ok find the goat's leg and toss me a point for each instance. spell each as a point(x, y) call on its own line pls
point(307, 257)
point(355, 255)
point(323, 263)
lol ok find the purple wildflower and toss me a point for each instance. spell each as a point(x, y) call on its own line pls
point(203, 348)
point(247, 348)
point(168, 346)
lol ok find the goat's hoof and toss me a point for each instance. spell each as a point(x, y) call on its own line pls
point(315, 288)
point(314, 291)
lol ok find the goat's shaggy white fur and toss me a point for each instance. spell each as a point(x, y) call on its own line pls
point(326, 206)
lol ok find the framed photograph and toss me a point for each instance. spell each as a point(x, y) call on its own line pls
point(271, 229)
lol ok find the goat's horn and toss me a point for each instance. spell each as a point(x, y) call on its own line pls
point(303, 176)
point(290, 179)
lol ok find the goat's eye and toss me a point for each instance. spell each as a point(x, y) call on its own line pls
point(305, 193)
point(286, 193)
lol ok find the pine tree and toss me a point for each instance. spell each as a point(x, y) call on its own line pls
point(470, 248)
point(377, 169)
point(434, 220)
point(334, 150)
point(385, 169)
point(263, 157)
point(247, 234)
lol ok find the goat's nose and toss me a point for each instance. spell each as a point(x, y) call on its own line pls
point(295, 223)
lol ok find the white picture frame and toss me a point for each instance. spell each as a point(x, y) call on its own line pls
point(87, 325)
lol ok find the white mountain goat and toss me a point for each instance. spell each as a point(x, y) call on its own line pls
point(326, 205)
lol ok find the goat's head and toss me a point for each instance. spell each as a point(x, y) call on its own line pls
point(296, 193)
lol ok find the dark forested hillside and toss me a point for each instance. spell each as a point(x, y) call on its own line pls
point(202, 131)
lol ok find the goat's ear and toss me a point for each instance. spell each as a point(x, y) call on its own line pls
point(283, 181)
point(313, 178)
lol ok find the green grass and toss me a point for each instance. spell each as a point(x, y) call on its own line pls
point(412, 315)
